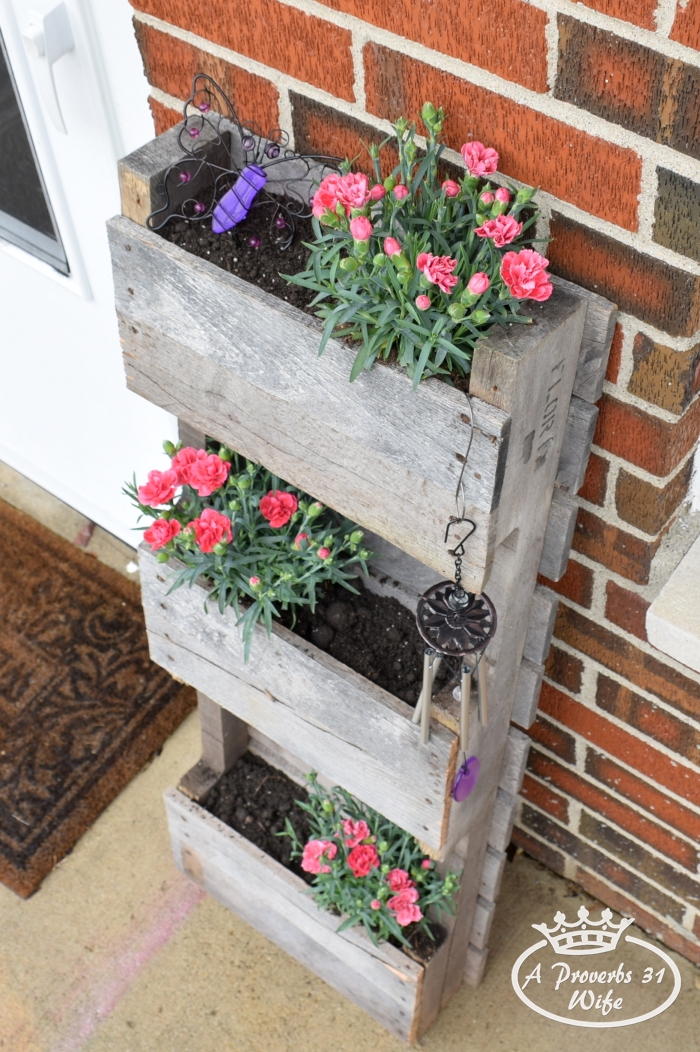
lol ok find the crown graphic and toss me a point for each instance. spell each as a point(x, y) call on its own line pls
point(584, 935)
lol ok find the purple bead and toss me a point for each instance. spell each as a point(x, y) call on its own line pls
point(467, 777)
point(193, 133)
point(254, 242)
point(272, 150)
point(248, 143)
point(184, 177)
point(281, 223)
point(235, 204)
point(199, 208)
point(204, 107)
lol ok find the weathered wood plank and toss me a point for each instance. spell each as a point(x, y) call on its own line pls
point(514, 760)
point(190, 436)
point(540, 626)
point(578, 438)
point(558, 536)
point(527, 694)
point(483, 919)
point(475, 965)
point(358, 735)
point(492, 874)
point(224, 736)
point(381, 980)
point(502, 821)
point(595, 345)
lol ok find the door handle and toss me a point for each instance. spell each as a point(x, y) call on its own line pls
point(47, 38)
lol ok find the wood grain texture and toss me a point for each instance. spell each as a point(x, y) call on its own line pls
point(514, 760)
point(358, 735)
point(540, 626)
point(224, 736)
point(483, 919)
point(502, 821)
point(527, 694)
point(475, 965)
point(492, 874)
point(380, 979)
point(558, 536)
point(595, 345)
point(578, 438)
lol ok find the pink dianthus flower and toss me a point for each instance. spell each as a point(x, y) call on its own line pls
point(438, 270)
point(312, 860)
point(479, 159)
point(526, 276)
point(502, 229)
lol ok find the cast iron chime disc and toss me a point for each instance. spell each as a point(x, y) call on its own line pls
point(455, 622)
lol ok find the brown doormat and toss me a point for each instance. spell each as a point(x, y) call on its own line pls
point(82, 707)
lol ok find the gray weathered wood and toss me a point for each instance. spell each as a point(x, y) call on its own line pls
point(483, 919)
point(540, 626)
point(502, 821)
point(558, 536)
point(357, 734)
point(492, 874)
point(190, 436)
point(578, 438)
point(199, 781)
point(382, 980)
point(224, 736)
point(475, 965)
point(527, 694)
point(514, 760)
point(595, 345)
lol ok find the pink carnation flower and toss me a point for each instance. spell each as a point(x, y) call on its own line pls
point(400, 192)
point(404, 906)
point(298, 540)
point(503, 230)
point(210, 529)
point(423, 302)
point(438, 270)
point(278, 506)
point(391, 246)
point(479, 159)
point(323, 553)
point(486, 198)
point(398, 879)
point(182, 462)
point(525, 275)
point(355, 832)
point(362, 859)
point(450, 188)
point(361, 228)
point(478, 283)
point(427, 863)
point(376, 904)
point(353, 191)
point(312, 860)
point(253, 581)
point(326, 197)
point(377, 192)
point(207, 473)
point(159, 489)
point(161, 533)
point(502, 195)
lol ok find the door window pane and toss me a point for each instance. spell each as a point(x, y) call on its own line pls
point(25, 213)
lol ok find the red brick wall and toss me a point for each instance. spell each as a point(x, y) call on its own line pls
point(596, 102)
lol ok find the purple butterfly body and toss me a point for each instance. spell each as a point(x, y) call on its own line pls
point(467, 777)
point(235, 204)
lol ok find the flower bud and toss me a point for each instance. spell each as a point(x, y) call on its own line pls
point(254, 582)
point(379, 260)
point(480, 218)
point(450, 188)
point(220, 548)
point(498, 208)
point(389, 183)
point(401, 192)
point(363, 553)
point(327, 806)
point(315, 509)
point(348, 264)
point(361, 228)
point(323, 553)
point(478, 283)
point(456, 311)
point(356, 536)
point(423, 302)
point(377, 192)
point(525, 194)
point(169, 448)
point(486, 198)
point(162, 557)
point(427, 863)
point(391, 246)
point(479, 317)
point(300, 537)
point(383, 846)
point(428, 113)
point(502, 195)
point(376, 904)
point(234, 505)
point(244, 483)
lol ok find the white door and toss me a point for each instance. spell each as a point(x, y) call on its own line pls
point(66, 418)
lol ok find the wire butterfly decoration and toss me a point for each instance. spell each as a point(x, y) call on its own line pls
point(227, 166)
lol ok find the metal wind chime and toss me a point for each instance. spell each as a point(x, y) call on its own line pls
point(456, 627)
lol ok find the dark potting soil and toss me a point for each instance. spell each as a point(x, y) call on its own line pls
point(261, 264)
point(372, 634)
point(255, 798)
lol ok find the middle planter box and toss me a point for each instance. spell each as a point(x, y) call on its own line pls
point(350, 730)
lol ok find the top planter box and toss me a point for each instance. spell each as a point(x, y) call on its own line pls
point(240, 364)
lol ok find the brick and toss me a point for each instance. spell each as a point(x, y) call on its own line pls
point(686, 26)
point(303, 46)
point(628, 818)
point(322, 129)
point(649, 288)
point(544, 798)
point(506, 37)
point(620, 743)
point(670, 937)
point(170, 64)
point(564, 669)
point(535, 148)
point(628, 661)
point(642, 794)
point(601, 864)
point(647, 441)
point(554, 739)
point(649, 719)
point(621, 552)
point(664, 376)
point(163, 116)
point(615, 357)
point(639, 12)
point(595, 481)
point(677, 214)
point(626, 83)
point(650, 507)
point(576, 584)
point(626, 609)
point(550, 858)
point(638, 858)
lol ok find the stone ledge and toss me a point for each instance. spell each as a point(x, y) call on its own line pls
point(673, 619)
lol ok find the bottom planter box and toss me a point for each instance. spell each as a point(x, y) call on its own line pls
point(399, 992)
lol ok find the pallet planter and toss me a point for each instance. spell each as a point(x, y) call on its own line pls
point(239, 364)
point(402, 994)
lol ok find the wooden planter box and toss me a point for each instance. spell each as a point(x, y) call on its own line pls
point(240, 364)
point(336, 721)
point(400, 993)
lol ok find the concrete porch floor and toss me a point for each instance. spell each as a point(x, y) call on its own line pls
point(117, 952)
